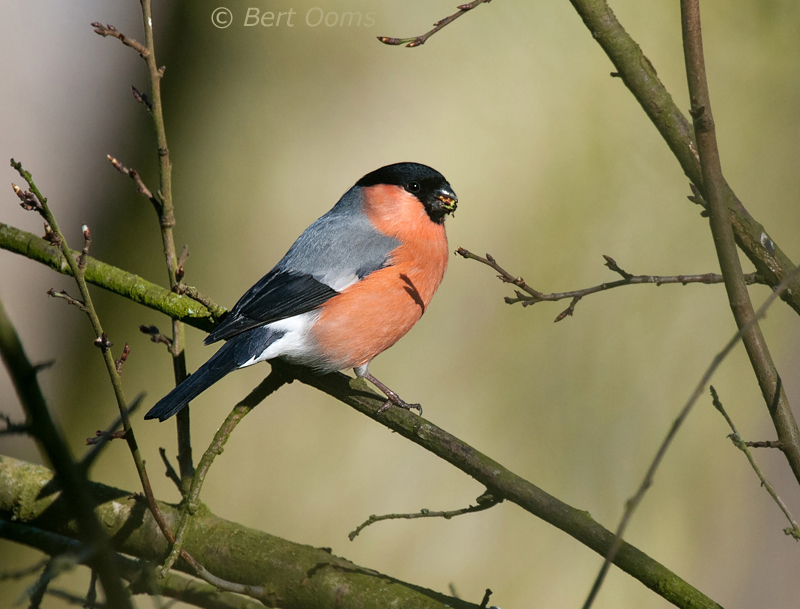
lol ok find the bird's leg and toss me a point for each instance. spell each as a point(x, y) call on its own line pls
point(393, 398)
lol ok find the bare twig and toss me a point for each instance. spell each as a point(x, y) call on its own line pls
point(485, 601)
point(182, 257)
point(98, 445)
point(194, 294)
point(11, 429)
point(140, 186)
point(267, 387)
point(70, 300)
point(24, 572)
point(118, 363)
point(713, 188)
point(766, 444)
point(416, 41)
point(484, 502)
point(793, 530)
point(141, 98)
point(166, 217)
point(170, 471)
point(87, 242)
point(155, 335)
point(633, 502)
point(110, 30)
point(532, 296)
point(105, 436)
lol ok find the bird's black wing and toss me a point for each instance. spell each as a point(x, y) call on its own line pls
point(277, 295)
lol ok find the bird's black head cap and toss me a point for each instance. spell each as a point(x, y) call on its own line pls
point(428, 185)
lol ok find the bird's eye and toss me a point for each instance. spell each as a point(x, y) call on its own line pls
point(413, 186)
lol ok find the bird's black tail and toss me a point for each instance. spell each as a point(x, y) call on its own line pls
point(205, 376)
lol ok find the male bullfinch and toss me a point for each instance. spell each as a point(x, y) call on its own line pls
point(349, 288)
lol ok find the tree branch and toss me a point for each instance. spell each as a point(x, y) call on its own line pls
point(714, 193)
point(647, 482)
point(416, 41)
point(793, 530)
point(533, 296)
point(484, 502)
point(74, 484)
point(138, 572)
point(639, 75)
point(504, 483)
point(113, 279)
point(289, 575)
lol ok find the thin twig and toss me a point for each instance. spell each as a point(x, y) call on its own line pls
point(633, 502)
point(485, 601)
point(532, 296)
point(140, 185)
point(416, 41)
point(194, 294)
point(793, 530)
point(24, 572)
point(170, 471)
point(12, 428)
point(110, 30)
point(72, 599)
point(70, 300)
point(155, 335)
point(766, 444)
point(485, 501)
point(267, 387)
point(98, 445)
point(166, 218)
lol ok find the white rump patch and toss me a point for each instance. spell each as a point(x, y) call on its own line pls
point(296, 345)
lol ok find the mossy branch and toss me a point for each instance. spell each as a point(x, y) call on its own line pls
point(113, 279)
point(292, 576)
point(138, 573)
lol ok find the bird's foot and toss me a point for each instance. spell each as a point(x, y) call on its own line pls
point(399, 404)
point(392, 398)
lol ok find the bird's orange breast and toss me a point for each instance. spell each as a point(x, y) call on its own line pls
point(373, 314)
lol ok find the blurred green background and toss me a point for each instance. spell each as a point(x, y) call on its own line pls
point(554, 163)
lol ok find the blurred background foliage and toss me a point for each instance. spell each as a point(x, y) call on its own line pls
point(554, 163)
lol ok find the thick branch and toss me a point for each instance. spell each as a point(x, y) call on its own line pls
point(292, 576)
point(113, 279)
point(714, 189)
point(640, 77)
point(178, 587)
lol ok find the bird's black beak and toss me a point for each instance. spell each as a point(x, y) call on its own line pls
point(447, 200)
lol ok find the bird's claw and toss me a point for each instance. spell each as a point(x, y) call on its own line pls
point(400, 404)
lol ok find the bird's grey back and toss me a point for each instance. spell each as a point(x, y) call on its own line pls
point(341, 247)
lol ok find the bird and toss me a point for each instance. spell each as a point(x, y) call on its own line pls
point(352, 285)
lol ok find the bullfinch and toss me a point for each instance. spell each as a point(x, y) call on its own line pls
point(349, 288)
